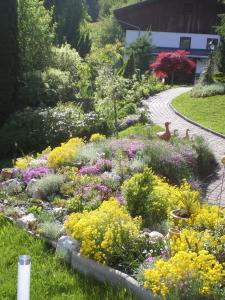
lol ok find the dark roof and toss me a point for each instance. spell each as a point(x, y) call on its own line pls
point(193, 16)
point(192, 52)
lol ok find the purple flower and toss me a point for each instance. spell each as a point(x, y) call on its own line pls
point(104, 165)
point(129, 146)
point(94, 170)
point(120, 199)
point(102, 188)
point(35, 173)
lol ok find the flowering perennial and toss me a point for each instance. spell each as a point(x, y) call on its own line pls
point(99, 231)
point(181, 270)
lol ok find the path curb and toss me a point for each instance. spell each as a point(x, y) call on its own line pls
point(195, 123)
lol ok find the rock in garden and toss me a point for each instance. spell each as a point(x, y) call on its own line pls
point(7, 173)
point(26, 221)
point(12, 186)
point(154, 235)
point(66, 245)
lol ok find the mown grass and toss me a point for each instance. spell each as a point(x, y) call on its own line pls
point(140, 130)
point(208, 111)
point(50, 278)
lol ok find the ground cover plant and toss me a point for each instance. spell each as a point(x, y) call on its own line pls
point(208, 111)
point(110, 197)
point(50, 277)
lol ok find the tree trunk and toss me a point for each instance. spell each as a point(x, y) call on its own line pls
point(8, 58)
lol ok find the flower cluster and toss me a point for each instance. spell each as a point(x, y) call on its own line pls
point(182, 270)
point(101, 230)
point(64, 154)
point(37, 172)
point(97, 137)
point(131, 147)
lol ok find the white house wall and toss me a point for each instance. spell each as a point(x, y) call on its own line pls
point(171, 39)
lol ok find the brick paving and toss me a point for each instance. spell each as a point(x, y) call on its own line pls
point(159, 106)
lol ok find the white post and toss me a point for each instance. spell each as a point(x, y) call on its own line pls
point(23, 287)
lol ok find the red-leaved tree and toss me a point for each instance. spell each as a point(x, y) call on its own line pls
point(167, 63)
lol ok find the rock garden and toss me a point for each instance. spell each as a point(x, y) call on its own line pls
point(134, 204)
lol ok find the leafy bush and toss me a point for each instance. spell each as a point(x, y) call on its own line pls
point(200, 90)
point(170, 161)
point(140, 199)
point(35, 129)
point(50, 230)
point(206, 159)
point(47, 187)
point(103, 230)
point(128, 109)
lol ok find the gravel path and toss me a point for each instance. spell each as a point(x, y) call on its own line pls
point(159, 106)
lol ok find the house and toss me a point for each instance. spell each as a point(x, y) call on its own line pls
point(174, 24)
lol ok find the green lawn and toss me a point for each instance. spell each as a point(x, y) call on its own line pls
point(50, 278)
point(209, 111)
point(140, 130)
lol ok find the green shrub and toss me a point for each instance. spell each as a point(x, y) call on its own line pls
point(200, 90)
point(128, 109)
point(50, 230)
point(175, 162)
point(206, 159)
point(47, 187)
point(220, 77)
point(47, 87)
point(35, 129)
point(142, 201)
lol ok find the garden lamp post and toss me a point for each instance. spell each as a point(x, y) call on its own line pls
point(23, 285)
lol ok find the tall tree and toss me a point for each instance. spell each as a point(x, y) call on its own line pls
point(8, 58)
point(36, 34)
point(68, 15)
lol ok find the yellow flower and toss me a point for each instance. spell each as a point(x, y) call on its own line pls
point(64, 154)
point(96, 137)
point(181, 270)
point(100, 230)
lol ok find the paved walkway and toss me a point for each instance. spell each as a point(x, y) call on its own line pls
point(161, 112)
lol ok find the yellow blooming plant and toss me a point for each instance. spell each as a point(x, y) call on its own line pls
point(99, 230)
point(208, 217)
point(23, 162)
point(182, 270)
point(97, 137)
point(64, 154)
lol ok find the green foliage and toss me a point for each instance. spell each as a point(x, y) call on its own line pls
point(220, 54)
point(50, 278)
point(202, 90)
point(46, 188)
point(35, 129)
point(141, 50)
point(68, 14)
point(50, 230)
point(206, 77)
point(220, 77)
point(206, 158)
point(129, 67)
point(35, 35)
point(140, 199)
point(106, 31)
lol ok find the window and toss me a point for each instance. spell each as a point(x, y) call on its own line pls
point(185, 43)
point(213, 41)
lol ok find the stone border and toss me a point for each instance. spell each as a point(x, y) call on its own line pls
point(90, 267)
point(195, 123)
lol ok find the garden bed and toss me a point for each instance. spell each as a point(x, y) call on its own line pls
point(108, 196)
